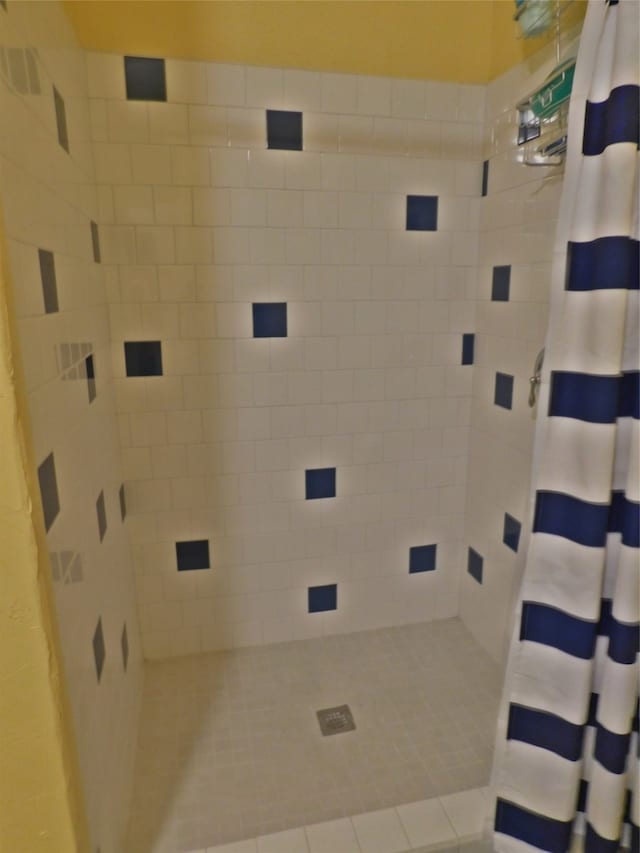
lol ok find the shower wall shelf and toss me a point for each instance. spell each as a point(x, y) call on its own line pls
point(542, 126)
point(535, 17)
point(542, 115)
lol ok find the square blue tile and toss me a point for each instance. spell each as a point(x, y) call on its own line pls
point(123, 502)
point(145, 79)
point(49, 491)
point(422, 213)
point(474, 565)
point(90, 371)
point(61, 119)
point(322, 598)
point(124, 647)
point(320, 483)
point(422, 558)
point(468, 347)
point(500, 284)
point(99, 652)
point(193, 554)
point(101, 513)
point(48, 279)
point(503, 395)
point(284, 130)
point(95, 243)
point(143, 358)
point(269, 319)
point(511, 533)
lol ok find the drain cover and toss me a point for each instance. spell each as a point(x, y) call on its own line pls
point(333, 721)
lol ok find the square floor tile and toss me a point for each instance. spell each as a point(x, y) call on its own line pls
point(250, 846)
point(338, 836)
point(426, 823)
point(289, 841)
point(467, 811)
point(380, 832)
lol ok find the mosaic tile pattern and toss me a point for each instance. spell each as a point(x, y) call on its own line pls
point(230, 746)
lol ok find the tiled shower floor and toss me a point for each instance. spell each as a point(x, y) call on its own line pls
point(230, 746)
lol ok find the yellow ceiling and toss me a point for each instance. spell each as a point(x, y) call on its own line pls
point(464, 41)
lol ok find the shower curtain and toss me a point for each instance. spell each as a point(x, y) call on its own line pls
point(566, 763)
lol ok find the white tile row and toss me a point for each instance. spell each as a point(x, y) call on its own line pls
point(167, 245)
point(190, 82)
point(434, 824)
point(120, 163)
point(237, 127)
point(140, 204)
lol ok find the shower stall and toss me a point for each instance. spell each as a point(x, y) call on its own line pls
point(277, 328)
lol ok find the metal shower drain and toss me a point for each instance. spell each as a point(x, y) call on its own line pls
point(333, 721)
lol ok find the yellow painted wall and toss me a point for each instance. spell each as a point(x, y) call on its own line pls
point(41, 807)
point(436, 39)
point(462, 41)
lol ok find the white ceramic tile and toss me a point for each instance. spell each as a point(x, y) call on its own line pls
point(151, 164)
point(250, 846)
point(426, 823)
point(208, 125)
point(380, 832)
point(168, 123)
point(337, 836)
point(374, 96)
point(186, 81)
point(246, 128)
point(301, 91)
point(339, 93)
point(225, 84)
point(105, 75)
point(408, 98)
point(466, 811)
point(264, 87)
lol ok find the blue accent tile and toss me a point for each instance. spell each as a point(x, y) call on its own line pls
point(468, 347)
point(323, 598)
point(284, 130)
point(95, 243)
point(61, 119)
point(99, 653)
point(124, 647)
point(91, 377)
point(123, 502)
point(49, 491)
point(269, 319)
point(504, 390)
point(422, 213)
point(422, 558)
point(143, 358)
point(500, 284)
point(145, 79)
point(485, 177)
point(193, 554)
point(474, 565)
point(101, 512)
point(49, 283)
point(320, 483)
point(511, 534)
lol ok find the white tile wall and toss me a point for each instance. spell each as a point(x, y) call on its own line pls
point(205, 221)
point(516, 228)
point(48, 198)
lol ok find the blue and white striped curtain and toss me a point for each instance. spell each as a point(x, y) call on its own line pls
point(567, 751)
